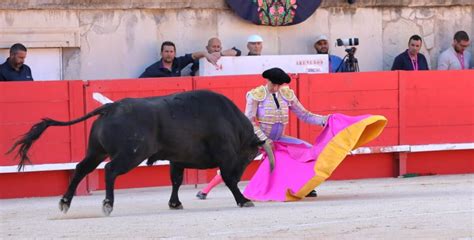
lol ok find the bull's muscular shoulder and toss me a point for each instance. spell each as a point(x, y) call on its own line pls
point(258, 93)
point(287, 93)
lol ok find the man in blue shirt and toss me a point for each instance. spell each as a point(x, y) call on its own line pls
point(170, 66)
point(322, 47)
point(411, 59)
point(14, 68)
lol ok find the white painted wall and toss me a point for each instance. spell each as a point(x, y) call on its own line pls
point(121, 43)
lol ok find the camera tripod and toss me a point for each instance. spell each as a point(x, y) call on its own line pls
point(349, 62)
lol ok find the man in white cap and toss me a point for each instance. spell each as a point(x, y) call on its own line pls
point(321, 46)
point(255, 45)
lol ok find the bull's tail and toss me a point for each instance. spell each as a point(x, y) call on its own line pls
point(27, 140)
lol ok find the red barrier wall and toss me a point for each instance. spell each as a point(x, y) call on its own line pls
point(24, 104)
point(437, 107)
point(422, 108)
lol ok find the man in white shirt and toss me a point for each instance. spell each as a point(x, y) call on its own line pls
point(456, 57)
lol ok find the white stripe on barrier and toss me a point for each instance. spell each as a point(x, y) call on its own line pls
point(386, 149)
point(414, 148)
point(101, 98)
point(63, 166)
point(441, 147)
point(362, 150)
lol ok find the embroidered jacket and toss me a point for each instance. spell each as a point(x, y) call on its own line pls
point(268, 118)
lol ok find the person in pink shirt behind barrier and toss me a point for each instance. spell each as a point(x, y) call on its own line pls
point(456, 57)
point(268, 109)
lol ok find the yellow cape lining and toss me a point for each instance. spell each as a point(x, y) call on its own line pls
point(337, 149)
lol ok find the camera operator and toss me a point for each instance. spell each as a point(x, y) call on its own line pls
point(322, 47)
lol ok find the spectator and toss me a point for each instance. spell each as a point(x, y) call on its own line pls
point(170, 66)
point(254, 45)
point(14, 69)
point(456, 57)
point(214, 45)
point(411, 59)
point(322, 47)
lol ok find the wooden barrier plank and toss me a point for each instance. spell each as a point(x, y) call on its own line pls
point(24, 104)
point(435, 116)
point(439, 134)
point(366, 166)
point(32, 112)
point(77, 110)
point(437, 107)
point(356, 100)
point(362, 81)
point(448, 97)
point(41, 91)
point(33, 184)
point(441, 162)
point(441, 80)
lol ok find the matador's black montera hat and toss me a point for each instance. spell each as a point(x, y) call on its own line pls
point(276, 76)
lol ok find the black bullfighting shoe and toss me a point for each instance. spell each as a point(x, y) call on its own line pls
point(201, 195)
point(312, 194)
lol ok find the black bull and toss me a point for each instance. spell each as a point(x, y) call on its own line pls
point(196, 129)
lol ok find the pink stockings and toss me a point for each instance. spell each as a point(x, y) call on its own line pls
point(214, 182)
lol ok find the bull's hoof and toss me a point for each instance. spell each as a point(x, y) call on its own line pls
point(64, 205)
point(246, 204)
point(107, 207)
point(175, 206)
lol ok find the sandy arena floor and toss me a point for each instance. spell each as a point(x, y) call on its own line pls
point(432, 207)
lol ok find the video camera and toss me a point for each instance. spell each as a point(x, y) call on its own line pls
point(347, 42)
point(351, 51)
point(349, 62)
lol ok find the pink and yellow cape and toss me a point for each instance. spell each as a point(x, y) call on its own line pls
point(299, 168)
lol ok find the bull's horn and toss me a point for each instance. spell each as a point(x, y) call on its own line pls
point(271, 157)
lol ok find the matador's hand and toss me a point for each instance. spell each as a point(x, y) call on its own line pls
point(325, 120)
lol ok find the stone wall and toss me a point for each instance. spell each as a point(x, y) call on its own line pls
point(119, 39)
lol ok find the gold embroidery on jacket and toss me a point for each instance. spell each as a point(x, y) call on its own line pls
point(269, 114)
point(258, 93)
point(287, 93)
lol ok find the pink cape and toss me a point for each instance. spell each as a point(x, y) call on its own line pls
point(299, 168)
